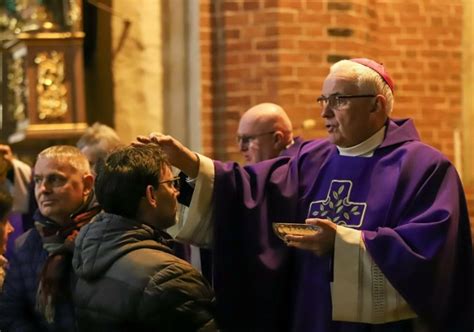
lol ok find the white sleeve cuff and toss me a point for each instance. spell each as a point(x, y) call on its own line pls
point(198, 228)
point(360, 291)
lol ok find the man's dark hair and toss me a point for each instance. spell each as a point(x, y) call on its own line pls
point(123, 177)
point(6, 204)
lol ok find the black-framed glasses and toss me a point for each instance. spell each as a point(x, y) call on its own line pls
point(247, 139)
point(337, 101)
point(174, 182)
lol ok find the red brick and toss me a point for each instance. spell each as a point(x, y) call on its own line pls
point(315, 5)
point(286, 70)
point(233, 59)
point(291, 30)
point(232, 34)
point(291, 4)
point(266, 45)
point(266, 18)
point(286, 43)
point(233, 19)
point(270, 3)
point(240, 45)
point(272, 57)
point(230, 5)
point(251, 5)
point(278, 50)
point(252, 31)
point(252, 58)
point(272, 31)
point(285, 17)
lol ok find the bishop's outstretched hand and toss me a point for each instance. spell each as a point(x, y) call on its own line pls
point(178, 155)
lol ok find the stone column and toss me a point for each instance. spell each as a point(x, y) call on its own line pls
point(137, 67)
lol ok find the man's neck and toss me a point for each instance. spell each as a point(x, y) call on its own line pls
point(366, 148)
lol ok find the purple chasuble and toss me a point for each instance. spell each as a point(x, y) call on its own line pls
point(407, 200)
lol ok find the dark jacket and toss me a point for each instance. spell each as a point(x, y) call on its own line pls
point(129, 280)
point(18, 299)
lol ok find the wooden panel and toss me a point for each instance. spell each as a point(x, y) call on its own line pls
point(53, 84)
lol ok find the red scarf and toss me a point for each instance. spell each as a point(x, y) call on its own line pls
point(55, 282)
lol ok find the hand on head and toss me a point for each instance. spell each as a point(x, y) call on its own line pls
point(178, 155)
point(321, 243)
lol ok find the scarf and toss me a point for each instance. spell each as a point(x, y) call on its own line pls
point(3, 264)
point(58, 241)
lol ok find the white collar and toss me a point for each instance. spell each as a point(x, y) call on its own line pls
point(366, 148)
point(289, 145)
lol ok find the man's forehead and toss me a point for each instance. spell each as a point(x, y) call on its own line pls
point(246, 126)
point(166, 172)
point(339, 84)
point(53, 165)
point(251, 125)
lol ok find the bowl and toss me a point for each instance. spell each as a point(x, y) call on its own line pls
point(282, 229)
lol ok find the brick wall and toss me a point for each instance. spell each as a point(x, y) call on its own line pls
point(280, 51)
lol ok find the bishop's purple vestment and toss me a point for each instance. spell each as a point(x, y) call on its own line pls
point(406, 199)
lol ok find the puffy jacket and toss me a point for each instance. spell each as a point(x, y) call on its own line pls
point(129, 280)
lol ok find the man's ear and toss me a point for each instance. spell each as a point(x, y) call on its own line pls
point(380, 104)
point(278, 139)
point(150, 196)
point(88, 181)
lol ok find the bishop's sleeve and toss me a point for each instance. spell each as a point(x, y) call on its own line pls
point(198, 228)
point(360, 292)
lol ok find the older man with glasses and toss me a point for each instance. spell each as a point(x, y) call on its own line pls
point(265, 131)
point(37, 294)
point(393, 249)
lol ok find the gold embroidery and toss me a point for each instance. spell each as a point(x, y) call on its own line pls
point(338, 207)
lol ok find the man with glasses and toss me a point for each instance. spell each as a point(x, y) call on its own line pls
point(393, 249)
point(265, 131)
point(96, 142)
point(37, 294)
point(129, 279)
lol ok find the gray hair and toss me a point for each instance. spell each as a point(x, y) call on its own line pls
point(69, 154)
point(100, 138)
point(365, 77)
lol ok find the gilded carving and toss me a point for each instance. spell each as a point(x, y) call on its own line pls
point(17, 89)
point(74, 15)
point(51, 87)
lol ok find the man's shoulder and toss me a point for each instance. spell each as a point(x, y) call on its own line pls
point(28, 252)
point(142, 265)
point(29, 239)
point(153, 257)
point(422, 152)
point(315, 151)
point(318, 144)
point(165, 271)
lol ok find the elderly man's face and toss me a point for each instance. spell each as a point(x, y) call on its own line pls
point(350, 123)
point(60, 189)
point(256, 141)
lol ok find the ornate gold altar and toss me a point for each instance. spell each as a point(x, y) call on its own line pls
point(42, 72)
